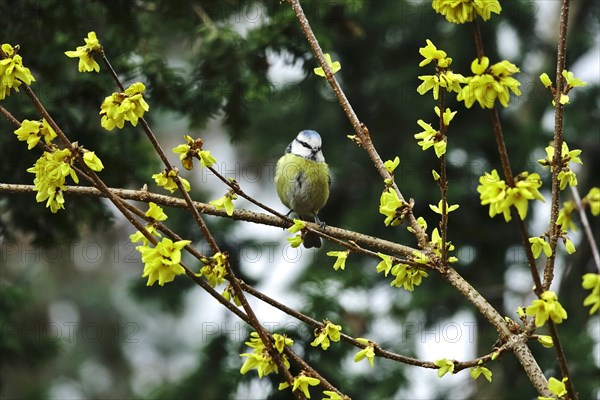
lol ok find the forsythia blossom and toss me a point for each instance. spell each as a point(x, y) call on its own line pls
point(161, 263)
point(86, 61)
point(166, 181)
point(225, 203)
point(391, 166)
point(445, 366)
point(557, 388)
point(260, 359)
point(565, 217)
point(494, 191)
point(592, 281)
point(438, 208)
point(431, 137)
point(215, 269)
point(392, 207)
point(444, 77)
point(461, 11)
point(329, 333)
point(92, 161)
point(436, 243)
point(489, 83)
point(481, 370)
point(301, 382)
point(193, 149)
point(368, 352)
point(538, 244)
point(407, 276)
point(335, 66)
point(124, 106)
point(566, 175)
point(12, 71)
point(547, 306)
point(32, 131)
point(51, 170)
point(340, 262)
point(593, 200)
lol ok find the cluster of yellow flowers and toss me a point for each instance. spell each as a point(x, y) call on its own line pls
point(260, 359)
point(215, 269)
point(461, 11)
point(12, 71)
point(405, 275)
point(327, 334)
point(51, 171)
point(500, 196)
point(124, 106)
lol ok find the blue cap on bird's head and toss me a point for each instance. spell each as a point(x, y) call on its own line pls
point(309, 136)
point(307, 145)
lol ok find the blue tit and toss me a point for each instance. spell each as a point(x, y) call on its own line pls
point(302, 180)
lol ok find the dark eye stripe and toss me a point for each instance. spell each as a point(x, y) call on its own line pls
point(307, 146)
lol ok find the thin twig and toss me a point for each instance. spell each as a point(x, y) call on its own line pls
point(586, 226)
point(554, 230)
point(557, 162)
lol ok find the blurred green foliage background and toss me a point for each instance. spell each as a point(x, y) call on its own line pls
point(88, 327)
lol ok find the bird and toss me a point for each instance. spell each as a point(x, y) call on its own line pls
point(302, 181)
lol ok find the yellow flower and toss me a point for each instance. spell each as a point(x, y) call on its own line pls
point(556, 387)
point(407, 276)
point(571, 80)
point(431, 137)
point(33, 131)
point(461, 11)
point(391, 166)
point(335, 66)
point(538, 244)
point(526, 188)
point(593, 199)
point(445, 366)
point(481, 370)
point(385, 265)
point(192, 149)
point(592, 281)
point(489, 84)
point(332, 395)
point(330, 332)
point(166, 180)
point(565, 217)
point(156, 212)
point(545, 341)
point(92, 161)
point(126, 106)
point(215, 269)
point(340, 262)
point(51, 171)
point(260, 359)
point(368, 352)
point(12, 71)
point(301, 382)
point(392, 207)
point(295, 241)
point(297, 227)
point(438, 209)
point(431, 53)
point(547, 306)
point(225, 202)
point(86, 60)
point(545, 80)
point(161, 263)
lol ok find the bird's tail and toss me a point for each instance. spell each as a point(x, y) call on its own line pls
point(311, 239)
